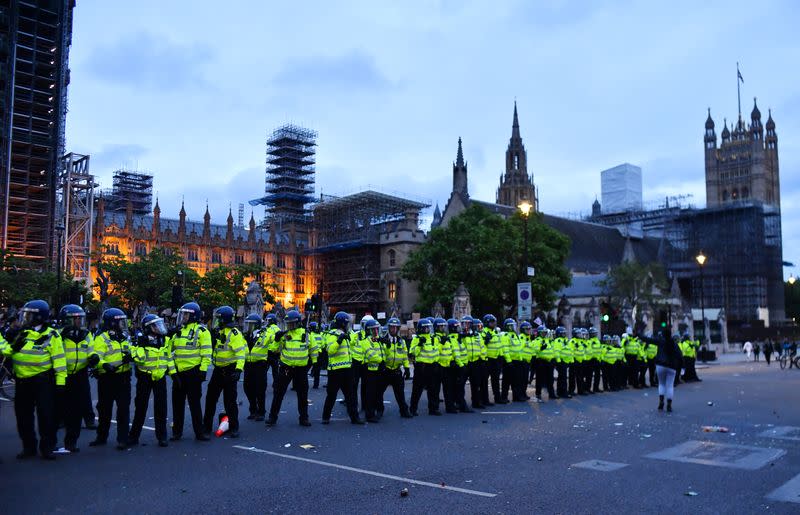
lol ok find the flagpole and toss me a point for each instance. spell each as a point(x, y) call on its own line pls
point(738, 91)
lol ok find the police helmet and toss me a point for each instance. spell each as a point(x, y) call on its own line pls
point(488, 320)
point(607, 338)
point(592, 332)
point(271, 319)
point(393, 326)
point(251, 323)
point(372, 327)
point(440, 325)
point(33, 313)
point(365, 319)
point(453, 326)
point(466, 322)
point(341, 320)
point(224, 316)
point(509, 324)
point(561, 331)
point(154, 324)
point(478, 323)
point(188, 314)
point(425, 326)
point(526, 327)
point(115, 319)
point(292, 319)
point(72, 316)
point(312, 326)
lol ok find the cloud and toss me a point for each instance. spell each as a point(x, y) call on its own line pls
point(354, 70)
point(146, 60)
point(114, 156)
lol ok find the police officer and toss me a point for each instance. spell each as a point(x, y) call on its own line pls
point(340, 371)
point(395, 355)
point(114, 377)
point(79, 350)
point(444, 376)
point(497, 356)
point(40, 367)
point(359, 364)
point(268, 340)
point(545, 361)
point(374, 361)
point(475, 360)
point(563, 357)
point(296, 357)
point(256, 364)
point(594, 351)
point(153, 362)
point(459, 364)
point(315, 335)
point(426, 355)
point(229, 349)
point(190, 348)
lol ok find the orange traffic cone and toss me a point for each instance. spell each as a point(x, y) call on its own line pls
point(224, 425)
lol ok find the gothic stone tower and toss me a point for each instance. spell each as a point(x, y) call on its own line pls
point(516, 185)
point(745, 165)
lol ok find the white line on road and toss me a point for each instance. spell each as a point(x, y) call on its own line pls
point(4, 399)
point(368, 472)
point(143, 427)
point(503, 412)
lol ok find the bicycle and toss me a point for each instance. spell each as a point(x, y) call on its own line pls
point(788, 359)
point(7, 382)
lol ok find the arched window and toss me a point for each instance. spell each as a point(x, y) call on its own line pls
point(392, 258)
point(392, 289)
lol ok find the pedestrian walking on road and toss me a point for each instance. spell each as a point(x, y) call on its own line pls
point(668, 364)
point(767, 351)
point(756, 351)
point(747, 348)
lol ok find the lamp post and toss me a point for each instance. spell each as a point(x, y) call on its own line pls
point(525, 207)
point(701, 260)
point(60, 234)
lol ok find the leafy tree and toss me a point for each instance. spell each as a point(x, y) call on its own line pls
point(22, 280)
point(484, 251)
point(636, 284)
point(226, 285)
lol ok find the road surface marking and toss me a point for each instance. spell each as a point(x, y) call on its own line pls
point(143, 427)
point(367, 472)
point(782, 433)
point(600, 465)
point(789, 492)
point(720, 455)
point(503, 412)
point(4, 399)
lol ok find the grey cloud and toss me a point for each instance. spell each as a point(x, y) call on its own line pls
point(147, 60)
point(354, 70)
point(116, 155)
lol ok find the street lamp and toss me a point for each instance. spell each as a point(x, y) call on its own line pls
point(525, 208)
point(792, 279)
point(701, 260)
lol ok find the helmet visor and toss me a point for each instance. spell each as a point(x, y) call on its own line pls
point(28, 317)
point(158, 327)
point(250, 326)
point(185, 316)
point(75, 321)
point(216, 321)
point(394, 329)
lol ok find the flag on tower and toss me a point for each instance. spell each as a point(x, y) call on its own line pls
point(739, 74)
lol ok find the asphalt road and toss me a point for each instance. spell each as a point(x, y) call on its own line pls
point(501, 461)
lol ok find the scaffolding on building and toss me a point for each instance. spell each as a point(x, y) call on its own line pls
point(290, 173)
point(347, 232)
point(135, 188)
point(75, 216)
point(744, 273)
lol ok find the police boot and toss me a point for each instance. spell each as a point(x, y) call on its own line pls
point(669, 405)
point(660, 402)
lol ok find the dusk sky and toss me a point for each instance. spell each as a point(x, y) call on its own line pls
point(189, 90)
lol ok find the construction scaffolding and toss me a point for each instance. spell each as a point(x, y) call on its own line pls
point(75, 210)
point(744, 270)
point(347, 232)
point(135, 188)
point(34, 49)
point(289, 174)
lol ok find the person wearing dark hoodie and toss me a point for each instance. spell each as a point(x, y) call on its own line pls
point(668, 362)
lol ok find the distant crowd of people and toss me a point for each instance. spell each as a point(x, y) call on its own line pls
point(769, 348)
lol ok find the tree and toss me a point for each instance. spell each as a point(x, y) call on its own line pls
point(22, 280)
point(484, 251)
point(226, 285)
point(148, 280)
point(636, 284)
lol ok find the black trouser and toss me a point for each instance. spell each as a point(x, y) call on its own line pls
point(73, 404)
point(459, 393)
point(594, 375)
point(189, 388)
point(144, 385)
point(114, 388)
point(424, 379)
point(651, 367)
point(255, 386)
point(633, 370)
point(340, 380)
point(507, 380)
point(393, 378)
point(690, 374)
point(494, 369)
point(372, 395)
point(322, 360)
point(619, 372)
point(449, 384)
point(86, 409)
point(561, 381)
point(767, 356)
point(273, 360)
point(37, 394)
point(299, 377)
point(514, 377)
point(608, 381)
point(533, 366)
point(357, 368)
point(573, 371)
point(225, 381)
point(477, 382)
point(544, 378)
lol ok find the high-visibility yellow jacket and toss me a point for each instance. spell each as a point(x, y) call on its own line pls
point(191, 347)
point(153, 361)
point(424, 349)
point(42, 351)
point(338, 344)
point(112, 352)
point(229, 349)
point(77, 351)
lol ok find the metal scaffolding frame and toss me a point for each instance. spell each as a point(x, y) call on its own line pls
point(347, 232)
point(289, 187)
point(76, 215)
point(131, 187)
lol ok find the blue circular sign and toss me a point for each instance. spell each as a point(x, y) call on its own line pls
point(524, 294)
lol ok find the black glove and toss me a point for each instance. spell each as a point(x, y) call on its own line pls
point(341, 338)
point(279, 335)
point(109, 369)
point(235, 375)
point(18, 341)
point(94, 373)
point(127, 358)
point(202, 375)
point(93, 360)
point(214, 335)
point(176, 381)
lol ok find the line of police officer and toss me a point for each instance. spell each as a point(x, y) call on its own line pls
point(52, 368)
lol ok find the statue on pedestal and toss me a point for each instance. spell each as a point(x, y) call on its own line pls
point(254, 299)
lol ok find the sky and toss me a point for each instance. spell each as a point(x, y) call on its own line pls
point(189, 90)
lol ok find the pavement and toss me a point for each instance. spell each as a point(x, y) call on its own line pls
point(595, 454)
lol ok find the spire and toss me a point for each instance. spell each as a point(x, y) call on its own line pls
point(182, 213)
point(230, 216)
point(770, 122)
point(460, 154)
point(726, 134)
point(709, 120)
point(755, 114)
point(515, 124)
point(207, 216)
